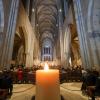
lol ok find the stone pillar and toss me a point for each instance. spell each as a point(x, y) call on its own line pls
point(1, 46)
point(94, 32)
point(1, 17)
point(84, 50)
point(27, 6)
point(9, 37)
point(67, 45)
point(65, 7)
point(1, 29)
point(54, 53)
point(60, 22)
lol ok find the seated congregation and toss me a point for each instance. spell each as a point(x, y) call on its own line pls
point(90, 79)
point(91, 84)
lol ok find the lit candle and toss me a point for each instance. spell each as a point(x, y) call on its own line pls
point(47, 84)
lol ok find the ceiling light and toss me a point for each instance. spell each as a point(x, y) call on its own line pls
point(33, 10)
point(60, 10)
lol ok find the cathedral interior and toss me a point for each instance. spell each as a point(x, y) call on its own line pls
point(65, 34)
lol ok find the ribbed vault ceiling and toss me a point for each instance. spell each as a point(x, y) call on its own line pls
point(46, 18)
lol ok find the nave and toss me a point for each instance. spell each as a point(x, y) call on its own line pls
point(63, 34)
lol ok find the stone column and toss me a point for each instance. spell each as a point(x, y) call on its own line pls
point(1, 46)
point(27, 6)
point(1, 17)
point(60, 22)
point(67, 45)
point(1, 29)
point(84, 50)
point(65, 7)
point(54, 53)
point(9, 37)
point(94, 32)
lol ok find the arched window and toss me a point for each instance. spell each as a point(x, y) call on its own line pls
point(47, 48)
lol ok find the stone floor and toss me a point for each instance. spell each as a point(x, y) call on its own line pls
point(70, 91)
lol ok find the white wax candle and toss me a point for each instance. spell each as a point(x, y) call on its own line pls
point(47, 85)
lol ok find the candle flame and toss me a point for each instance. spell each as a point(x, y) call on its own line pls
point(46, 67)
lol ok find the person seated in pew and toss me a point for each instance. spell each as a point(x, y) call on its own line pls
point(10, 82)
point(97, 88)
point(4, 85)
point(88, 81)
point(94, 91)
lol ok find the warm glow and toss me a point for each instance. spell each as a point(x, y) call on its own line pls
point(46, 67)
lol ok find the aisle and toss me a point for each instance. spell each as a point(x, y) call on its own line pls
point(70, 91)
